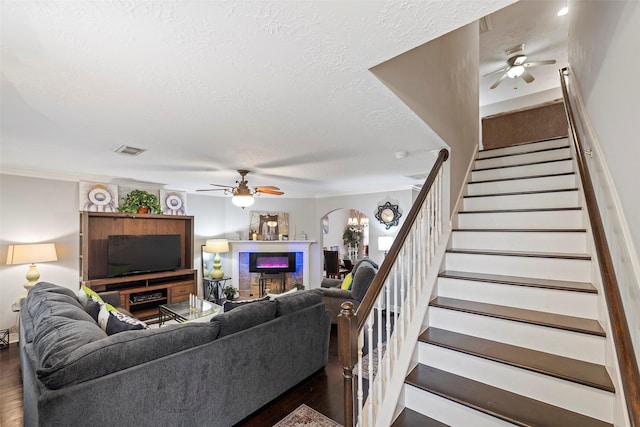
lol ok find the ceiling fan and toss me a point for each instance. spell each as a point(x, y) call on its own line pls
point(242, 193)
point(517, 67)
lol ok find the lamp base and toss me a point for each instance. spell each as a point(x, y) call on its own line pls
point(33, 275)
point(217, 272)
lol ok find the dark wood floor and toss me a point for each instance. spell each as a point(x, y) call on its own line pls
point(322, 392)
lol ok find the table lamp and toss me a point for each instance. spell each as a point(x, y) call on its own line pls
point(217, 246)
point(30, 254)
point(384, 243)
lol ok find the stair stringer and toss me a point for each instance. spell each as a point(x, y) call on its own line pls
point(392, 403)
point(620, 411)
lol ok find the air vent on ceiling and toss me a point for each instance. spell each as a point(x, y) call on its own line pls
point(127, 150)
point(485, 24)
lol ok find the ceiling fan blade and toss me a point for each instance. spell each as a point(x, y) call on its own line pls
point(536, 63)
point(213, 189)
point(501, 70)
point(527, 76)
point(495, 85)
point(223, 186)
point(267, 187)
point(268, 191)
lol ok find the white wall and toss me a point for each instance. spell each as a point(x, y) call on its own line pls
point(522, 101)
point(603, 35)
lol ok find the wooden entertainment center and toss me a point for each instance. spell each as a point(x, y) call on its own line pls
point(140, 294)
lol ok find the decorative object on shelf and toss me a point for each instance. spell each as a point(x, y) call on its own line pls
point(384, 243)
point(388, 215)
point(140, 201)
point(96, 197)
point(269, 225)
point(243, 195)
point(217, 246)
point(230, 292)
point(30, 254)
point(173, 202)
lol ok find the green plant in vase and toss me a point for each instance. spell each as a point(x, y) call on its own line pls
point(229, 292)
point(140, 201)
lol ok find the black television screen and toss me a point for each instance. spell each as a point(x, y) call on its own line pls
point(136, 254)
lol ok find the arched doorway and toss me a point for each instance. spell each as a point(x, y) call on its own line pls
point(350, 224)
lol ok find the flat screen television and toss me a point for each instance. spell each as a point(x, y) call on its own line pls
point(137, 254)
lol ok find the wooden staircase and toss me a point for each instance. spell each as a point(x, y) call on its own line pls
point(513, 336)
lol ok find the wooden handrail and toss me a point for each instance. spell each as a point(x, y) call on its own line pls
point(350, 324)
point(627, 361)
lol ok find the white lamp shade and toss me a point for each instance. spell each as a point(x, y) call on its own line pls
point(242, 201)
point(217, 246)
point(32, 253)
point(384, 243)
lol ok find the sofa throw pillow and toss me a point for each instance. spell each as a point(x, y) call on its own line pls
point(93, 307)
point(230, 305)
point(346, 283)
point(85, 293)
point(112, 321)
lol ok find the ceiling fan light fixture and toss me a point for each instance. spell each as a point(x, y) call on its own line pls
point(242, 200)
point(563, 11)
point(515, 71)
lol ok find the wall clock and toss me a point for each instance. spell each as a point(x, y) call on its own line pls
point(388, 215)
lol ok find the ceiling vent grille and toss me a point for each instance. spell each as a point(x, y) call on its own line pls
point(127, 150)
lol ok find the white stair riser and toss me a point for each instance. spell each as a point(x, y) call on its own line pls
point(561, 219)
point(570, 303)
point(541, 156)
point(554, 143)
point(586, 400)
point(557, 199)
point(560, 182)
point(446, 411)
point(541, 241)
point(575, 345)
point(521, 171)
point(543, 268)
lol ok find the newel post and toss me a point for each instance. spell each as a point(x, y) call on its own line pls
point(347, 343)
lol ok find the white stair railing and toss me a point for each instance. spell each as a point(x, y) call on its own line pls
point(372, 339)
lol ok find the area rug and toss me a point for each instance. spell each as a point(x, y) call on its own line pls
point(305, 416)
point(373, 359)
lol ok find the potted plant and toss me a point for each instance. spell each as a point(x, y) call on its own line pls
point(229, 292)
point(352, 236)
point(140, 201)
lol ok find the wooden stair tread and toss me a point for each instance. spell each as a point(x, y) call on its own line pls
point(577, 371)
point(411, 418)
point(563, 285)
point(523, 144)
point(539, 162)
point(559, 255)
point(523, 177)
point(551, 320)
point(520, 153)
point(502, 404)
point(519, 193)
point(569, 208)
point(518, 230)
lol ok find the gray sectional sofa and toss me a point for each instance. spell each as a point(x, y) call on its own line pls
point(194, 374)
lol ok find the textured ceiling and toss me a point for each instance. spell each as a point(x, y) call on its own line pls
point(281, 88)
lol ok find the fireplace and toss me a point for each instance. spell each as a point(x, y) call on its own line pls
point(272, 262)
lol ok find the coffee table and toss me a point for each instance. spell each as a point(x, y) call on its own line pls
point(181, 312)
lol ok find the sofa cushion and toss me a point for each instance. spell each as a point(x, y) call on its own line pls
point(42, 305)
point(56, 337)
point(230, 305)
point(361, 280)
point(245, 316)
point(297, 301)
point(50, 287)
point(124, 350)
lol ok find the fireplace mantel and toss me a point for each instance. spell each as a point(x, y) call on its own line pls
point(238, 246)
